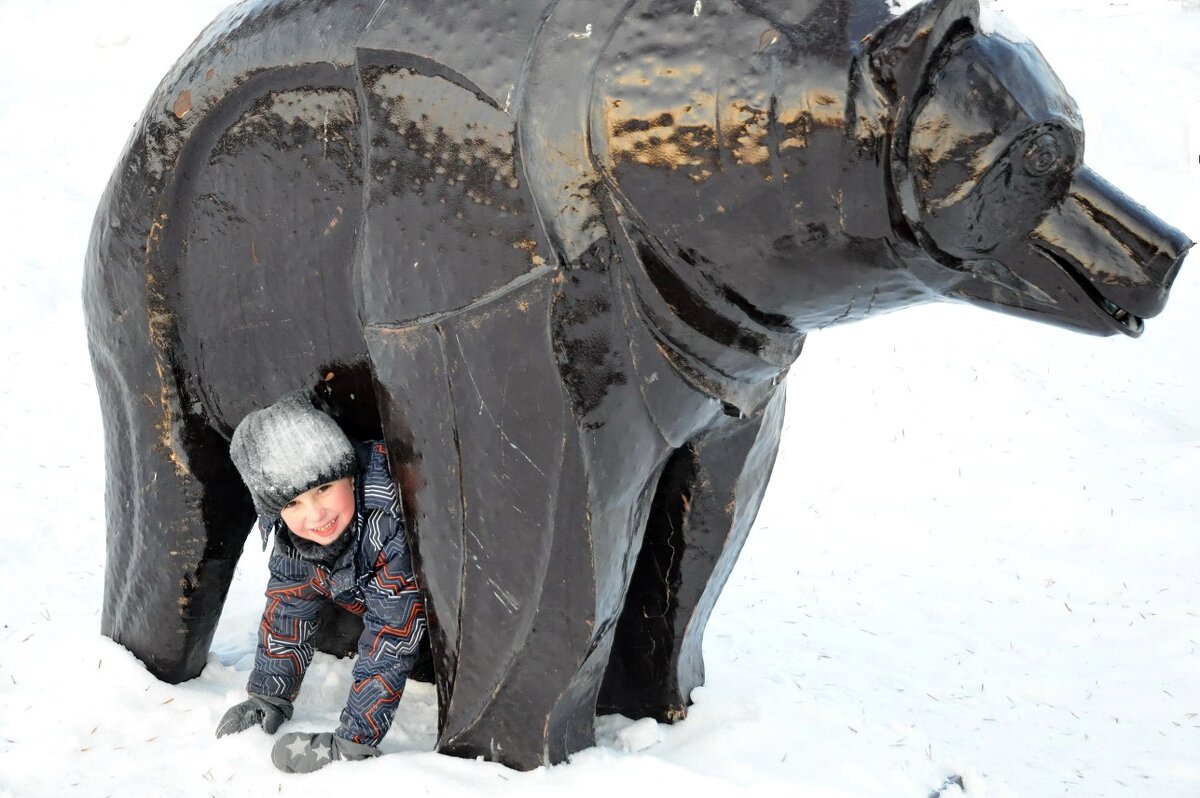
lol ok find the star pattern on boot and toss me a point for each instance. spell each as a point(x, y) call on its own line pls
point(298, 747)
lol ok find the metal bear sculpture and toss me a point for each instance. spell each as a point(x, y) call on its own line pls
point(562, 254)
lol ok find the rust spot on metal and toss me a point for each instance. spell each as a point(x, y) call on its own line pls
point(154, 237)
point(333, 222)
point(769, 36)
point(183, 104)
point(160, 322)
point(530, 248)
point(664, 137)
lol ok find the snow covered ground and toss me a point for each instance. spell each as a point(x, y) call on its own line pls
point(980, 554)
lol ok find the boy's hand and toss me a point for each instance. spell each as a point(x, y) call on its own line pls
point(304, 752)
point(257, 710)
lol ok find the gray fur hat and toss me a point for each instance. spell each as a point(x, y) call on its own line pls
point(288, 448)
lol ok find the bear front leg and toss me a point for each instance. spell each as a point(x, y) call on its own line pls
point(704, 507)
point(486, 448)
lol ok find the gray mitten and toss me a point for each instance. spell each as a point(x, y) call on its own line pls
point(257, 710)
point(304, 752)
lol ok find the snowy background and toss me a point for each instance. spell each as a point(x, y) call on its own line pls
point(980, 553)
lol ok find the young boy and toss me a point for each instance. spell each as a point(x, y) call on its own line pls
point(339, 535)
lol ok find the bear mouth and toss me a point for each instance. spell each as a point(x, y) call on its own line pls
point(1127, 322)
point(1119, 318)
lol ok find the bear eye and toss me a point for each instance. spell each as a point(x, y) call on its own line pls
point(1044, 155)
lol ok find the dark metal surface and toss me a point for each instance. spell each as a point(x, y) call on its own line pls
point(561, 255)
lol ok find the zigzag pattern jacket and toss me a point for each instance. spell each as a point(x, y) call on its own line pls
point(372, 577)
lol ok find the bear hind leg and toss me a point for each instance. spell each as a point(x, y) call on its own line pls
point(177, 516)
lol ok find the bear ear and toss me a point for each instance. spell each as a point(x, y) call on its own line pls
point(900, 51)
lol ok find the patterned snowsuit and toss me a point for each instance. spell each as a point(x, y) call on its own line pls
point(372, 577)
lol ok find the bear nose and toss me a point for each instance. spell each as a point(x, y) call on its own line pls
point(1127, 254)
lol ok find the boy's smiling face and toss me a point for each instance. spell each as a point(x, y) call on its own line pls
point(323, 513)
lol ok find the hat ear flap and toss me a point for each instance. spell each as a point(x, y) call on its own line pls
point(900, 52)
